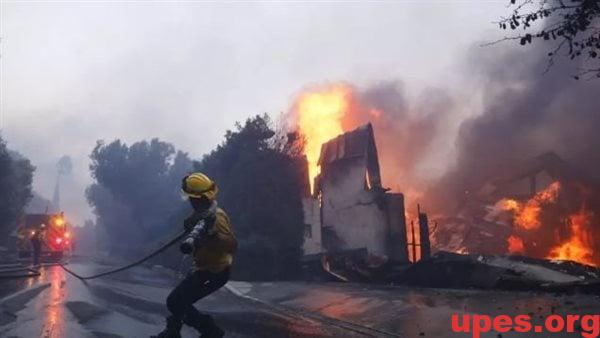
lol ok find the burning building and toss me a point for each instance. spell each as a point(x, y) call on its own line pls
point(349, 209)
point(543, 209)
point(536, 211)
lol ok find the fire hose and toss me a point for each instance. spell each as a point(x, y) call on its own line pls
point(198, 230)
point(131, 265)
point(195, 231)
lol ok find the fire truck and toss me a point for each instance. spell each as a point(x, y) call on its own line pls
point(53, 231)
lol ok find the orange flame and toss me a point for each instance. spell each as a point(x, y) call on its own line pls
point(509, 205)
point(319, 118)
point(527, 215)
point(579, 246)
point(515, 244)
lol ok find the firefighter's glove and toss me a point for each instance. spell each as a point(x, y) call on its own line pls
point(187, 246)
point(195, 236)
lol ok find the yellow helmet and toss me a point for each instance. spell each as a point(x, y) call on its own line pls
point(198, 185)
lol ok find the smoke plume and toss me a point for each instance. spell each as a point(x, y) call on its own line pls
point(526, 112)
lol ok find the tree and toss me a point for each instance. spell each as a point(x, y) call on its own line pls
point(261, 184)
point(261, 187)
point(16, 175)
point(571, 26)
point(136, 190)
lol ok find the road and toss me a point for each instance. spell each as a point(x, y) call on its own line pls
point(415, 312)
point(131, 304)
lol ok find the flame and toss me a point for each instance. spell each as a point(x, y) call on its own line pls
point(527, 215)
point(515, 244)
point(319, 117)
point(463, 251)
point(509, 205)
point(579, 246)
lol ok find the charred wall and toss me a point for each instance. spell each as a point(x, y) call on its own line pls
point(354, 210)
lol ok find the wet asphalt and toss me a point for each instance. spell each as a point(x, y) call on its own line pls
point(131, 304)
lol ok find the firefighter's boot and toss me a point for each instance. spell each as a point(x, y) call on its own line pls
point(205, 325)
point(213, 332)
point(172, 330)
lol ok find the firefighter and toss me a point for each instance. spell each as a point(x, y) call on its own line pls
point(212, 244)
point(36, 246)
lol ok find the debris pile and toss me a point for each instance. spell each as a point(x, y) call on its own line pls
point(451, 270)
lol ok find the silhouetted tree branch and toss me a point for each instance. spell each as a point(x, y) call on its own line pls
point(574, 26)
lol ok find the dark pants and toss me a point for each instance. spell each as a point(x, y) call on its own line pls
point(194, 287)
point(37, 249)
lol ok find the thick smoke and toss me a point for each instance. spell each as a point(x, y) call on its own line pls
point(526, 112)
point(432, 153)
point(405, 132)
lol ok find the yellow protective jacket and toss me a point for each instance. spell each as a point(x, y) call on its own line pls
point(215, 252)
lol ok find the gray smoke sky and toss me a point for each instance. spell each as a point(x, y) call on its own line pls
point(76, 72)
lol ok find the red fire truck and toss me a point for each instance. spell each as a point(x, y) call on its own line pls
point(53, 230)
